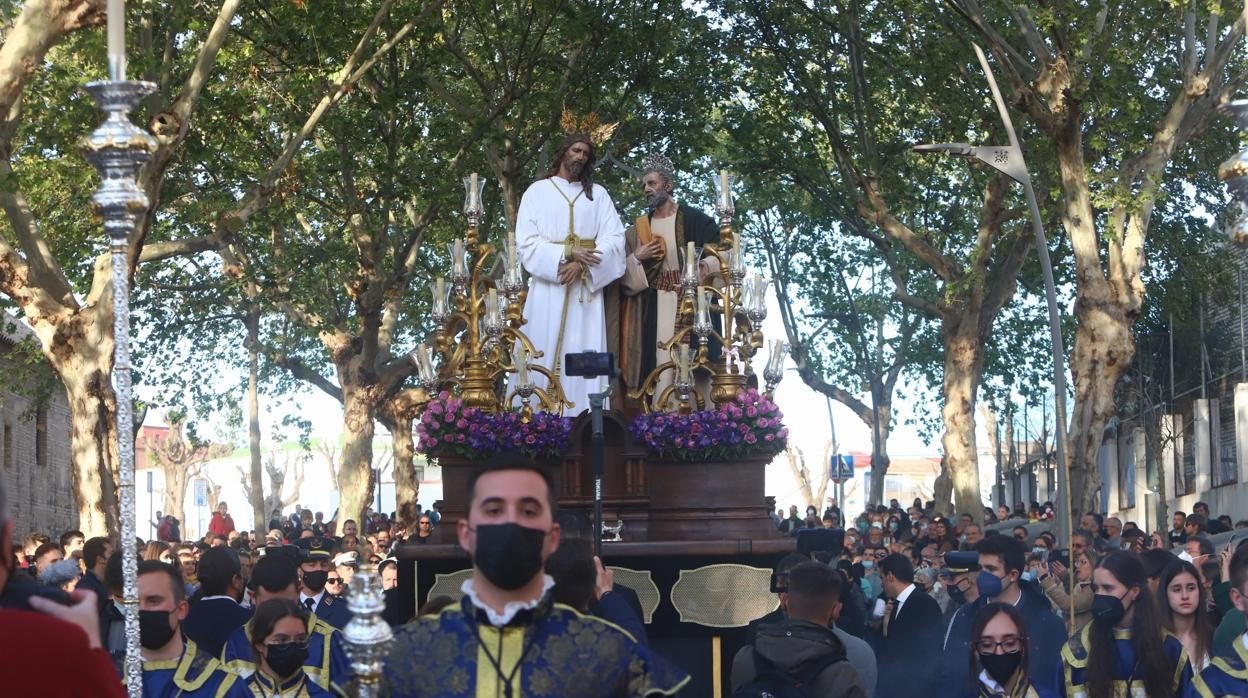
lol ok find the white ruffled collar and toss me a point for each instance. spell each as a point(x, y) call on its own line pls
point(497, 619)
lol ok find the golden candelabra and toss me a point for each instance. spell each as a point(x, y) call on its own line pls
point(739, 299)
point(478, 320)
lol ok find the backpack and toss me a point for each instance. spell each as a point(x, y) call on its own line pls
point(770, 681)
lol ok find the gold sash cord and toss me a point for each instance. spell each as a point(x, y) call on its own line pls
point(571, 242)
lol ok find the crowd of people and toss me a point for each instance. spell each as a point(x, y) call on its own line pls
point(904, 602)
point(950, 607)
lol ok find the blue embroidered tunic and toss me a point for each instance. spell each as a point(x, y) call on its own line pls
point(327, 665)
point(297, 686)
point(1226, 676)
point(549, 650)
point(1072, 668)
point(193, 675)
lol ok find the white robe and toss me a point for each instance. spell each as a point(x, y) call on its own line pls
point(541, 229)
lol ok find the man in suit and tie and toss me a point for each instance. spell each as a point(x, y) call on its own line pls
point(314, 572)
point(215, 614)
point(907, 642)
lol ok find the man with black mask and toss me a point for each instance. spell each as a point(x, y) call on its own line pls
point(315, 572)
point(506, 637)
point(173, 665)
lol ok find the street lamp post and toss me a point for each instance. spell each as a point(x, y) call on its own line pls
point(1008, 159)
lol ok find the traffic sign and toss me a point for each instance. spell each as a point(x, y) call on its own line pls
point(841, 468)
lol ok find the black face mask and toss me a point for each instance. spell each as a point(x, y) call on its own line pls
point(956, 595)
point(285, 658)
point(1107, 609)
point(509, 555)
point(154, 629)
point(315, 580)
point(1001, 667)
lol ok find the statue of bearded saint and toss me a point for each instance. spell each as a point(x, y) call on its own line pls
point(645, 312)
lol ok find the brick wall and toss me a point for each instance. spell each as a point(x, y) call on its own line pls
point(39, 488)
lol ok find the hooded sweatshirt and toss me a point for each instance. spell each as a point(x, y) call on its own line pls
point(796, 647)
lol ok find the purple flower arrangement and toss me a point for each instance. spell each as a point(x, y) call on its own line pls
point(750, 425)
point(448, 427)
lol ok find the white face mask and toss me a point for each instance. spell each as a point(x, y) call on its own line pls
point(1185, 556)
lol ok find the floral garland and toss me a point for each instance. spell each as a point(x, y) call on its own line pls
point(447, 427)
point(750, 425)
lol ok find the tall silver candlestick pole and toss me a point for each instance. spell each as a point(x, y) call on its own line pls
point(118, 149)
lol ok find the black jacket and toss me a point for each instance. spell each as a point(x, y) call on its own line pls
point(210, 622)
point(794, 647)
point(1046, 634)
point(908, 663)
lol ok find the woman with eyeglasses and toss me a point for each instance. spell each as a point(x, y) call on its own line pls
point(1182, 599)
point(1125, 650)
point(999, 657)
point(279, 642)
point(1053, 578)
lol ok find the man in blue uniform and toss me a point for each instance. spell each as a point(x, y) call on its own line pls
point(275, 576)
point(1227, 675)
point(217, 612)
point(315, 572)
point(171, 664)
point(507, 638)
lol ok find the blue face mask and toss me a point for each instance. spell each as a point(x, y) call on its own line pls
point(1029, 576)
point(868, 564)
point(892, 525)
point(989, 584)
point(862, 526)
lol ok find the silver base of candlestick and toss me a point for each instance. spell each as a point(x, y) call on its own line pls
point(118, 149)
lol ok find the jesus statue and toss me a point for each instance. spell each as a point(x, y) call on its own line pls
point(571, 241)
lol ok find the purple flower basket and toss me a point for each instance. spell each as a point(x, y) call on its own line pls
point(447, 427)
point(750, 425)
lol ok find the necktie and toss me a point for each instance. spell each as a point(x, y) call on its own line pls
point(310, 603)
point(889, 606)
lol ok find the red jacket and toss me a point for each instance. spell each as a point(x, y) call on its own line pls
point(53, 660)
point(221, 525)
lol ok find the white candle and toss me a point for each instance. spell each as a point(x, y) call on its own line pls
point(725, 194)
point(682, 363)
point(491, 308)
point(458, 264)
point(511, 250)
point(690, 262)
point(520, 357)
point(439, 294)
point(424, 362)
point(116, 18)
point(474, 198)
point(738, 257)
point(704, 309)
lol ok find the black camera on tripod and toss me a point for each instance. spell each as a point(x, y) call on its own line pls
point(589, 364)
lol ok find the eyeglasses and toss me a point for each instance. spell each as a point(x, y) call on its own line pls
point(426, 523)
point(301, 640)
point(334, 580)
point(1009, 643)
